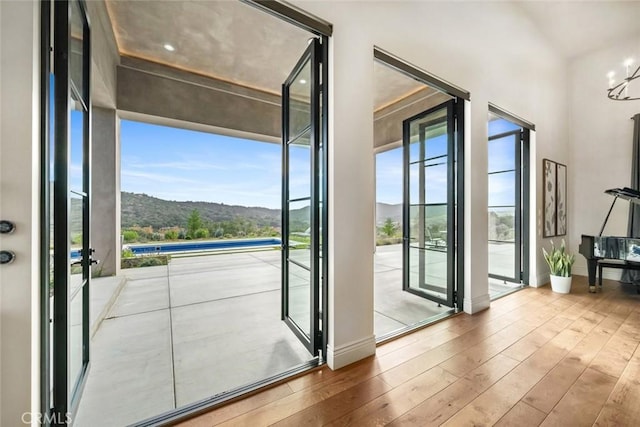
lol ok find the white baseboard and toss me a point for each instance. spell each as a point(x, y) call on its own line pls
point(477, 304)
point(346, 354)
point(539, 280)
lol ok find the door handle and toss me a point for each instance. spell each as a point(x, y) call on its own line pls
point(91, 262)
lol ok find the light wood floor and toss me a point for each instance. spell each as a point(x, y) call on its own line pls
point(534, 358)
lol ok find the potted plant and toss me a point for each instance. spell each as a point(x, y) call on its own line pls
point(560, 263)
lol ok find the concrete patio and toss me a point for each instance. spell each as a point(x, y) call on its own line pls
point(168, 336)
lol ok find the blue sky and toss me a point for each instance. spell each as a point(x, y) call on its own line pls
point(177, 164)
point(500, 157)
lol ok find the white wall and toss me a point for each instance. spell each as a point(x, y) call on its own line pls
point(19, 202)
point(600, 133)
point(489, 49)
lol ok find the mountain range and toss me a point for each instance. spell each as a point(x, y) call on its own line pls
point(144, 210)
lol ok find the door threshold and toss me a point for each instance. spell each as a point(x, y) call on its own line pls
point(206, 405)
point(416, 326)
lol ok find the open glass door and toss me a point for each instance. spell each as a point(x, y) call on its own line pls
point(505, 202)
point(71, 204)
point(301, 215)
point(429, 229)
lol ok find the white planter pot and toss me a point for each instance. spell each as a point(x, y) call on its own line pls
point(560, 284)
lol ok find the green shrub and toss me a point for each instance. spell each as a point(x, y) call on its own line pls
point(130, 236)
point(171, 235)
point(201, 233)
point(145, 261)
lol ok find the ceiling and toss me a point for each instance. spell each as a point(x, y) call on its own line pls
point(228, 40)
point(234, 42)
point(577, 27)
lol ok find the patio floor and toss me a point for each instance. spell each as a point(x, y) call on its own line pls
point(172, 335)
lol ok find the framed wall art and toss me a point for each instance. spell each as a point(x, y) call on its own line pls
point(549, 198)
point(561, 199)
point(554, 176)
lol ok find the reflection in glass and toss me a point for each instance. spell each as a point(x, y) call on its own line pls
point(76, 47)
point(299, 171)
point(428, 227)
point(75, 338)
point(299, 297)
point(498, 125)
point(428, 136)
point(428, 271)
point(300, 232)
point(300, 102)
point(76, 136)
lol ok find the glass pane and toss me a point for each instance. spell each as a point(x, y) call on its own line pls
point(502, 242)
point(428, 136)
point(502, 224)
point(300, 101)
point(502, 259)
point(499, 125)
point(75, 233)
point(76, 47)
point(300, 232)
point(75, 339)
point(502, 189)
point(428, 227)
point(428, 271)
point(299, 170)
point(300, 297)
point(502, 154)
point(435, 180)
point(430, 186)
point(416, 190)
point(76, 134)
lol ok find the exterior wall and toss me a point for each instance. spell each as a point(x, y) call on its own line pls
point(600, 133)
point(105, 56)
point(20, 203)
point(105, 192)
point(489, 49)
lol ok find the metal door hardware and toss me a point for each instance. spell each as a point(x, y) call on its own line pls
point(7, 257)
point(7, 227)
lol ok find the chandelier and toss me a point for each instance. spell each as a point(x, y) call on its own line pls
point(620, 91)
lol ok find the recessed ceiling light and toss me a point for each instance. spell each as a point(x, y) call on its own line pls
point(303, 81)
point(628, 62)
point(169, 47)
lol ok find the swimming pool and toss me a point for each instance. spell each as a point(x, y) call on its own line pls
point(210, 245)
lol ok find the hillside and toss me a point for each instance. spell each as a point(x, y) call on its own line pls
point(143, 210)
point(384, 211)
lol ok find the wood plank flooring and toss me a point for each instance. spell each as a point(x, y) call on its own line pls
point(534, 358)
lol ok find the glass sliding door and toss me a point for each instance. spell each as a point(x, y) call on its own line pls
point(71, 260)
point(302, 190)
point(430, 195)
point(507, 202)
